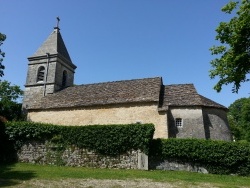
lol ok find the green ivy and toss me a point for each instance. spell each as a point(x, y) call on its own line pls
point(104, 139)
point(219, 157)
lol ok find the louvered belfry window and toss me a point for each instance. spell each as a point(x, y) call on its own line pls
point(40, 74)
point(64, 79)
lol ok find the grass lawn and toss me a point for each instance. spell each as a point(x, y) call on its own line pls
point(22, 174)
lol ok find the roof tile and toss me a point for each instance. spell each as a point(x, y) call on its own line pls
point(185, 95)
point(127, 91)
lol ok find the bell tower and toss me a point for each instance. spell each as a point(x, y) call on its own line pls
point(50, 69)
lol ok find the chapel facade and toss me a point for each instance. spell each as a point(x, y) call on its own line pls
point(176, 110)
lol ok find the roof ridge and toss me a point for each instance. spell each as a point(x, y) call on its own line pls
point(118, 81)
point(179, 84)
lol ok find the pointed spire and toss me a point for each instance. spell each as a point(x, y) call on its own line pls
point(54, 44)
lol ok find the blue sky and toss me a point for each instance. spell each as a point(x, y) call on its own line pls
point(111, 40)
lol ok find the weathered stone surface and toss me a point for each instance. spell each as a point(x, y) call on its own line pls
point(199, 122)
point(165, 164)
point(47, 153)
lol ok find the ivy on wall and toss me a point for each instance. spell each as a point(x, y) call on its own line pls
point(104, 139)
point(219, 157)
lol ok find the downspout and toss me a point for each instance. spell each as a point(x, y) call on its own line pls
point(46, 75)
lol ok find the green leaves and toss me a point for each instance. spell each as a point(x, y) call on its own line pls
point(228, 8)
point(8, 92)
point(218, 157)
point(104, 139)
point(233, 65)
point(239, 118)
point(9, 108)
point(2, 38)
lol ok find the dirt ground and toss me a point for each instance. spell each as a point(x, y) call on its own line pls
point(93, 183)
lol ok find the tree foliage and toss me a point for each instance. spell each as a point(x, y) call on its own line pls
point(232, 64)
point(9, 107)
point(2, 54)
point(239, 119)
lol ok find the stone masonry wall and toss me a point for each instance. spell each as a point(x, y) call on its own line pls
point(47, 153)
point(193, 126)
point(216, 124)
point(200, 122)
point(122, 114)
point(174, 165)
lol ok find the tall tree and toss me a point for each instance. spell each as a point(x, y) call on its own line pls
point(239, 118)
point(2, 54)
point(10, 108)
point(232, 64)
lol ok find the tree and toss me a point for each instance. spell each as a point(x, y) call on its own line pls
point(2, 54)
point(9, 107)
point(232, 64)
point(239, 118)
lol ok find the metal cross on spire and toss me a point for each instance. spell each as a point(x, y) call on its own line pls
point(58, 20)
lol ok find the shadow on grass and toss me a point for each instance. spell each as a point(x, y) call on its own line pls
point(9, 177)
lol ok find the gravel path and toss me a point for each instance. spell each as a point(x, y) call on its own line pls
point(93, 183)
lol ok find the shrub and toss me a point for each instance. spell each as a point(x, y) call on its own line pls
point(218, 157)
point(104, 139)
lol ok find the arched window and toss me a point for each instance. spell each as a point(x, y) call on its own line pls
point(40, 74)
point(64, 78)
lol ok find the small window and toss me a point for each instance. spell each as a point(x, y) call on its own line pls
point(40, 74)
point(178, 122)
point(64, 78)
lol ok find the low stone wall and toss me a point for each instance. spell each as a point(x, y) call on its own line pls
point(165, 164)
point(47, 153)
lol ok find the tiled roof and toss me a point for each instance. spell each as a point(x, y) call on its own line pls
point(127, 91)
point(210, 103)
point(185, 95)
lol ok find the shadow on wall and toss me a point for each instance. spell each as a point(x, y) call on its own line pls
point(172, 129)
point(216, 126)
point(207, 125)
point(212, 125)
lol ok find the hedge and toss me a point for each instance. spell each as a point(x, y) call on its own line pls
point(218, 157)
point(103, 139)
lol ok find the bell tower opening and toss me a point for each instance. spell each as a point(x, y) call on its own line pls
point(40, 74)
point(64, 79)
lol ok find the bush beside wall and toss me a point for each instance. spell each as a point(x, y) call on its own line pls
point(218, 157)
point(109, 140)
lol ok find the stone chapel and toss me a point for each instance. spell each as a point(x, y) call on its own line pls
point(176, 110)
